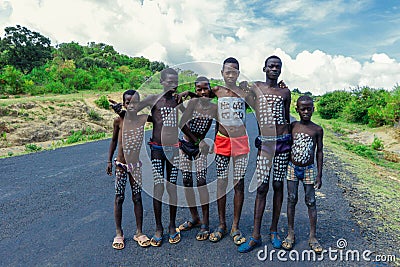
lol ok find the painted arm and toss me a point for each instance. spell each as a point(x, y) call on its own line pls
point(186, 117)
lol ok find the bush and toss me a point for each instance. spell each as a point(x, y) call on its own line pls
point(102, 102)
point(377, 144)
point(330, 105)
point(364, 99)
point(94, 115)
point(32, 148)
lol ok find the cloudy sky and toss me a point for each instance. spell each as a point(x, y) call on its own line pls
point(324, 45)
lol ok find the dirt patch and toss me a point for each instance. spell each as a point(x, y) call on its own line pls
point(390, 137)
point(46, 122)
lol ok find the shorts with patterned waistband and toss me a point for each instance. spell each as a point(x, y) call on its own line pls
point(307, 174)
point(231, 146)
point(282, 143)
point(168, 151)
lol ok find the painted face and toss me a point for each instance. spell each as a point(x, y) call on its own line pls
point(273, 68)
point(170, 82)
point(203, 89)
point(131, 102)
point(305, 110)
point(230, 73)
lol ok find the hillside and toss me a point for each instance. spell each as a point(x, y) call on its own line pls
point(47, 121)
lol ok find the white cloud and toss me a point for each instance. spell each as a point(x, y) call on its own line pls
point(176, 31)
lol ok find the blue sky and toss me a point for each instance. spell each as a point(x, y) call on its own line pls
point(324, 45)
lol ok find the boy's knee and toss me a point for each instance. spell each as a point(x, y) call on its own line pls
point(137, 198)
point(119, 199)
point(187, 182)
point(277, 185)
point(239, 186)
point(292, 198)
point(262, 190)
point(310, 201)
point(201, 182)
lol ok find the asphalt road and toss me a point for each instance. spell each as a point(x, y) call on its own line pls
point(56, 209)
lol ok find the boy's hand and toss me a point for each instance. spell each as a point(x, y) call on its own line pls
point(109, 168)
point(244, 85)
point(211, 149)
point(117, 107)
point(318, 183)
point(204, 147)
point(179, 97)
point(282, 84)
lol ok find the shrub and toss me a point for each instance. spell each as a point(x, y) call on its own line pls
point(331, 104)
point(362, 100)
point(94, 115)
point(377, 144)
point(102, 102)
point(32, 148)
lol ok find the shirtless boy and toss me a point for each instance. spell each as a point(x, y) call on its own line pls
point(271, 103)
point(307, 141)
point(195, 123)
point(128, 165)
point(164, 152)
point(231, 141)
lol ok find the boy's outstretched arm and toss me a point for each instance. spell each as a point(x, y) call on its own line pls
point(113, 145)
point(117, 107)
point(320, 158)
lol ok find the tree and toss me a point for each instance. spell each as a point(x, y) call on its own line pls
point(70, 51)
point(25, 49)
point(157, 66)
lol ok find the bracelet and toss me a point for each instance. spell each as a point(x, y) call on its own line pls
point(109, 161)
point(197, 142)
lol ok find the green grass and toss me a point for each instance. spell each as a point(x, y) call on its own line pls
point(83, 136)
point(377, 179)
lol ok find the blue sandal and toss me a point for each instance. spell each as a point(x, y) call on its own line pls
point(156, 241)
point(246, 247)
point(175, 238)
point(276, 241)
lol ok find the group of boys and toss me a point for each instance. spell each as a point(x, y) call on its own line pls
point(286, 151)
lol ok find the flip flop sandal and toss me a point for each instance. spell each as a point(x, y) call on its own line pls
point(246, 247)
point(217, 235)
point(156, 241)
point(188, 225)
point(315, 246)
point(276, 242)
point(288, 243)
point(238, 237)
point(203, 234)
point(118, 242)
point(175, 238)
point(142, 240)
